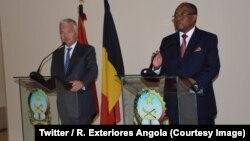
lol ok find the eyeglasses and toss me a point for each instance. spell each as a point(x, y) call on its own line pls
point(183, 14)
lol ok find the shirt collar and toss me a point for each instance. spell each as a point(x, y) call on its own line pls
point(72, 46)
point(189, 33)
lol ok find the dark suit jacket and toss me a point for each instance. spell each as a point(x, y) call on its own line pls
point(200, 62)
point(79, 106)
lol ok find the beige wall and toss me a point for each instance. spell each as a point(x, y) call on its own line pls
point(2, 79)
point(30, 32)
point(3, 117)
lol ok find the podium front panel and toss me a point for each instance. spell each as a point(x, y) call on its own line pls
point(38, 106)
point(67, 102)
point(187, 109)
point(143, 101)
point(187, 103)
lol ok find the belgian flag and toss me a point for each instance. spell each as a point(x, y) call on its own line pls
point(112, 70)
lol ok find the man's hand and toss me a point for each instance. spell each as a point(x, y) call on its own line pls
point(156, 60)
point(76, 85)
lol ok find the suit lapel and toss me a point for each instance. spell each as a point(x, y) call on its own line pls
point(61, 62)
point(177, 45)
point(192, 43)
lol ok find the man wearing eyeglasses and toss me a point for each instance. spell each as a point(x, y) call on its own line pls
point(192, 55)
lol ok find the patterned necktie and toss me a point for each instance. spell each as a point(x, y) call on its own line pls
point(183, 45)
point(66, 64)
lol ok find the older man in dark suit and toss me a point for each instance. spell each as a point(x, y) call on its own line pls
point(198, 62)
point(75, 66)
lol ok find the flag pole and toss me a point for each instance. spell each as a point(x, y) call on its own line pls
point(80, 10)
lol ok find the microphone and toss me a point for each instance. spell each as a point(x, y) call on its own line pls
point(35, 75)
point(148, 74)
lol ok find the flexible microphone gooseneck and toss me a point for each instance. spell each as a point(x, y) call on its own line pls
point(35, 75)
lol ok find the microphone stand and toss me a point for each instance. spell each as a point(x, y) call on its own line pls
point(35, 75)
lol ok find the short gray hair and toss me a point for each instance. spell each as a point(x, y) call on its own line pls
point(71, 21)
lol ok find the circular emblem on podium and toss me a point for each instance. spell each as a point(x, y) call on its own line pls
point(39, 107)
point(149, 108)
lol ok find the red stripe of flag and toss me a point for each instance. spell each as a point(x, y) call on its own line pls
point(82, 38)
